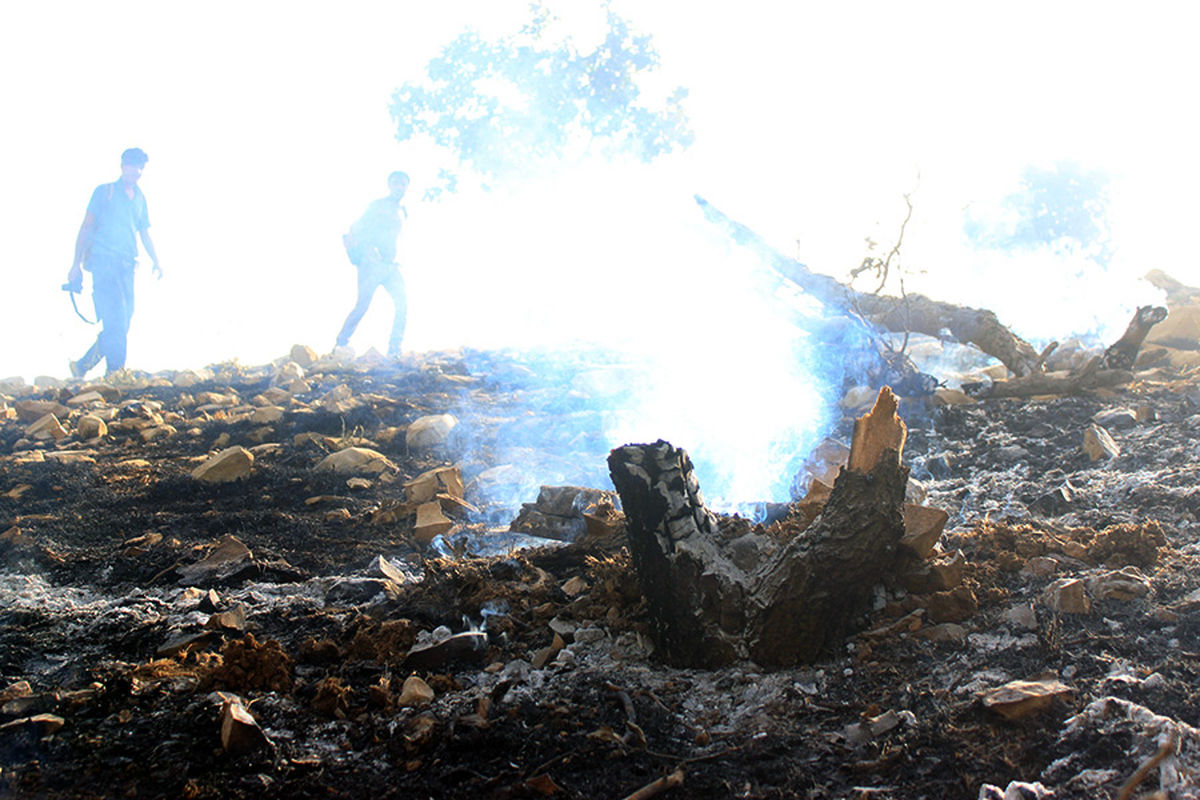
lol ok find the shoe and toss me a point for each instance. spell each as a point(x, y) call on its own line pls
point(76, 370)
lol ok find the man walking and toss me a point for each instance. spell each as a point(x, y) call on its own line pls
point(371, 246)
point(107, 247)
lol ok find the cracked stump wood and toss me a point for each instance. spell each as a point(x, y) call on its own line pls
point(705, 610)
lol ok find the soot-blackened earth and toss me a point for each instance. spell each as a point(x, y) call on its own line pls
point(105, 629)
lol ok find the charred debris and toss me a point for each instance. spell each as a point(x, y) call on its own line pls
point(310, 578)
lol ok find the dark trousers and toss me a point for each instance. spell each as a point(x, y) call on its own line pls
point(112, 293)
point(370, 278)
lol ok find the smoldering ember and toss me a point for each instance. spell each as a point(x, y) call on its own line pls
point(306, 579)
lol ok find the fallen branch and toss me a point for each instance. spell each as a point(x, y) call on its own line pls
point(913, 313)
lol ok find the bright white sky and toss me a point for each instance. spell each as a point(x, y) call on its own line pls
point(268, 132)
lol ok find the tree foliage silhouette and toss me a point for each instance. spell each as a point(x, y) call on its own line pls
point(504, 107)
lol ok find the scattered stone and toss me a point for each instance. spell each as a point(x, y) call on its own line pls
point(1127, 583)
point(40, 725)
point(542, 657)
point(356, 461)
point(1067, 596)
point(267, 415)
point(383, 568)
point(47, 427)
point(559, 512)
point(431, 522)
point(1020, 699)
point(1022, 617)
point(86, 398)
point(923, 526)
point(430, 431)
point(1099, 444)
point(229, 554)
point(428, 485)
point(415, 693)
point(33, 410)
point(1116, 418)
point(228, 465)
point(232, 620)
point(303, 355)
point(574, 586)
point(1040, 567)
point(240, 733)
point(90, 426)
point(947, 632)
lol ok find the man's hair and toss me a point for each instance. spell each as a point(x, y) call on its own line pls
point(136, 156)
point(398, 174)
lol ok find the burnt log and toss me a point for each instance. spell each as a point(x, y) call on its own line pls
point(913, 313)
point(706, 610)
point(1122, 353)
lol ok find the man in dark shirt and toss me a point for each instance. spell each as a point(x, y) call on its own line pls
point(371, 246)
point(107, 247)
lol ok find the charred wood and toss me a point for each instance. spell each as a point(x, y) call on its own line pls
point(1123, 353)
point(912, 313)
point(705, 610)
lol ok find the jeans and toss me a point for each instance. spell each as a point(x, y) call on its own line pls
point(112, 293)
point(370, 278)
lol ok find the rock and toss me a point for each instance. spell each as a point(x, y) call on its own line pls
point(157, 432)
point(338, 400)
point(588, 635)
point(33, 410)
point(415, 693)
point(40, 725)
point(356, 461)
point(1127, 583)
point(240, 733)
point(427, 485)
point(229, 554)
point(303, 355)
point(1099, 444)
point(1022, 617)
point(559, 512)
point(266, 415)
point(1019, 699)
point(89, 426)
point(430, 431)
point(86, 398)
point(923, 526)
point(431, 522)
point(574, 586)
point(291, 371)
point(227, 465)
point(1067, 596)
point(1116, 418)
point(543, 656)
point(47, 427)
point(232, 620)
point(1040, 567)
point(381, 567)
point(1057, 501)
point(949, 632)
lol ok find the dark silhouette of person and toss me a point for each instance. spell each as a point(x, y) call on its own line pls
point(107, 247)
point(371, 247)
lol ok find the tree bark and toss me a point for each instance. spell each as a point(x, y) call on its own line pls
point(707, 611)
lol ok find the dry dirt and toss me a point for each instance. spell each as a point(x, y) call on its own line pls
point(116, 658)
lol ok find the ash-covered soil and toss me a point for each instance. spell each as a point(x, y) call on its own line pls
point(138, 602)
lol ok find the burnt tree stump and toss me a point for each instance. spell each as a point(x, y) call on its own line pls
point(797, 604)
